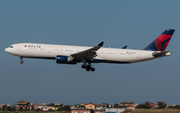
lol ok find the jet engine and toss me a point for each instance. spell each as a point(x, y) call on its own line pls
point(64, 59)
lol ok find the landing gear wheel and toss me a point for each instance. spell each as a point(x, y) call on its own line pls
point(21, 62)
point(88, 68)
point(83, 66)
point(92, 69)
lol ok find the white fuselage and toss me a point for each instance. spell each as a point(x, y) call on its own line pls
point(104, 55)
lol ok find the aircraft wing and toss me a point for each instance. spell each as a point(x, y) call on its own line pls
point(160, 54)
point(87, 54)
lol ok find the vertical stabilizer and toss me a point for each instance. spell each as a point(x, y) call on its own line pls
point(161, 42)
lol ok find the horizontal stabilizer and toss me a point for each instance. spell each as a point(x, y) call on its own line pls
point(160, 54)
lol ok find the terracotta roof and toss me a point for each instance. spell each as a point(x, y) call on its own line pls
point(126, 102)
point(129, 105)
point(103, 105)
point(89, 103)
point(22, 102)
point(152, 104)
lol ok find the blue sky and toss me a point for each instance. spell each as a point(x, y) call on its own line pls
point(120, 22)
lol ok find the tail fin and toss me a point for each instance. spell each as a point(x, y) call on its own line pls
point(161, 42)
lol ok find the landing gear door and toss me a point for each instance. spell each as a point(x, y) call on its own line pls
point(138, 54)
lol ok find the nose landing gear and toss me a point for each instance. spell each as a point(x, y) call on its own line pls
point(21, 62)
point(88, 67)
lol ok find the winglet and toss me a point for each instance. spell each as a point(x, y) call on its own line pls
point(125, 47)
point(101, 44)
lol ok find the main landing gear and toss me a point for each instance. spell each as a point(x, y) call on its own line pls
point(21, 62)
point(88, 67)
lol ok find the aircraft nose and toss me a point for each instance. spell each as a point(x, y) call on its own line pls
point(6, 50)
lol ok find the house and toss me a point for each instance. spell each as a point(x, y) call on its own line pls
point(22, 105)
point(99, 111)
point(40, 106)
point(80, 110)
point(96, 106)
point(45, 107)
point(101, 106)
point(3, 106)
point(86, 110)
point(49, 107)
point(59, 104)
point(24, 108)
point(126, 103)
point(153, 106)
point(131, 106)
point(90, 106)
point(34, 105)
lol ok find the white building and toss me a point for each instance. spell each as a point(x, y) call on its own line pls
point(115, 110)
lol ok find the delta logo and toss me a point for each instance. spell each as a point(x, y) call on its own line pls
point(32, 46)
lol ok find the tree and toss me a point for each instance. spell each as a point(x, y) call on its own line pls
point(116, 105)
point(161, 105)
point(66, 108)
point(81, 106)
point(147, 103)
point(50, 110)
point(142, 106)
point(177, 107)
point(59, 109)
point(174, 107)
point(122, 107)
point(38, 109)
point(51, 104)
point(8, 108)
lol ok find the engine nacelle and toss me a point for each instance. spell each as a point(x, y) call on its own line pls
point(64, 59)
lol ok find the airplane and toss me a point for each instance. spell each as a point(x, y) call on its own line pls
point(66, 54)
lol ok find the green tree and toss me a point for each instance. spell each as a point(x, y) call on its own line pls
point(81, 106)
point(171, 107)
point(66, 108)
point(142, 106)
point(161, 105)
point(122, 107)
point(60, 109)
point(147, 103)
point(174, 107)
point(51, 104)
point(50, 110)
point(116, 105)
point(8, 108)
point(38, 109)
point(177, 107)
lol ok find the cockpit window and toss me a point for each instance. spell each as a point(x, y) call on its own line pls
point(11, 46)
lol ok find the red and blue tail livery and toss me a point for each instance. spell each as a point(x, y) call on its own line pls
point(161, 42)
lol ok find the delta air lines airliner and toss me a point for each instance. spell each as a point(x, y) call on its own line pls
point(65, 54)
